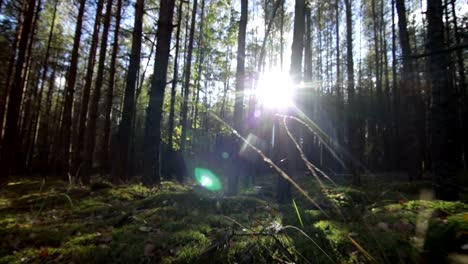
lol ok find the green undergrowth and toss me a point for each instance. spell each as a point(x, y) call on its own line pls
point(49, 221)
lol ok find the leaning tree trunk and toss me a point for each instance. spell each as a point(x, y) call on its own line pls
point(446, 156)
point(10, 140)
point(152, 138)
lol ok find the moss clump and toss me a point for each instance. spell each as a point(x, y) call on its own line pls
point(445, 236)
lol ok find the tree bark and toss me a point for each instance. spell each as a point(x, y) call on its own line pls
point(104, 157)
point(352, 117)
point(80, 137)
point(65, 130)
point(462, 86)
point(124, 134)
point(188, 66)
point(446, 156)
point(152, 138)
point(90, 139)
point(44, 118)
point(233, 180)
point(410, 157)
point(175, 78)
point(10, 140)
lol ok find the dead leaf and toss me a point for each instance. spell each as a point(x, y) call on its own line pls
point(13, 241)
point(105, 238)
point(149, 250)
point(43, 252)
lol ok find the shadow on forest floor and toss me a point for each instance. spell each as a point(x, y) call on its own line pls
point(384, 222)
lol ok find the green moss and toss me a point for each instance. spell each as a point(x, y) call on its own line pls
point(446, 236)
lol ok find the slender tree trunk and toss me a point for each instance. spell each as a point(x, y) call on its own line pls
point(45, 124)
point(42, 117)
point(308, 68)
point(276, 6)
point(65, 129)
point(105, 144)
point(152, 138)
point(188, 66)
point(396, 98)
point(233, 180)
point(446, 156)
point(124, 134)
point(30, 84)
point(175, 77)
point(352, 116)
point(201, 60)
point(80, 136)
point(91, 130)
point(10, 140)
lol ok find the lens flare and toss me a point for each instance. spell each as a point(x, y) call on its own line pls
point(207, 179)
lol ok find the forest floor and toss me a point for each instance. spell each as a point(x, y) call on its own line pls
point(51, 221)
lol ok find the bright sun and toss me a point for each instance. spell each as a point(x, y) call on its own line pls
point(275, 90)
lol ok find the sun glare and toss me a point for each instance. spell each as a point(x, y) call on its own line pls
point(275, 90)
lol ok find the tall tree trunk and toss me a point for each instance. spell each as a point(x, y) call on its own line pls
point(104, 157)
point(44, 118)
point(339, 88)
point(446, 156)
point(30, 84)
point(10, 140)
point(124, 134)
point(11, 66)
point(462, 86)
point(352, 117)
point(152, 138)
point(295, 71)
point(233, 180)
point(375, 113)
point(65, 130)
point(175, 77)
point(91, 130)
point(80, 136)
point(200, 58)
point(308, 68)
point(396, 98)
point(188, 66)
point(46, 122)
point(409, 138)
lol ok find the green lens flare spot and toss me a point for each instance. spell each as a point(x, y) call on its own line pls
point(207, 179)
